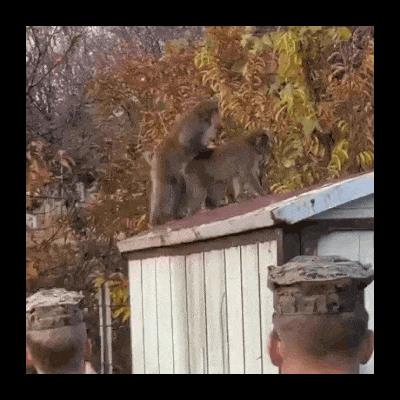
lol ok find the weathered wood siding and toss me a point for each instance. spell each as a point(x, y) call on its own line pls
point(204, 313)
point(355, 245)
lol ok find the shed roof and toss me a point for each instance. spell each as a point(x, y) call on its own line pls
point(261, 212)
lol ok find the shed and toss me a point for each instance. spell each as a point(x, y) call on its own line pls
point(198, 286)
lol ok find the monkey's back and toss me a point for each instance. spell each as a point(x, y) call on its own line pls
point(232, 159)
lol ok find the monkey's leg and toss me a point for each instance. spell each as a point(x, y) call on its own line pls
point(254, 185)
point(195, 194)
point(163, 206)
point(179, 197)
point(236, 186)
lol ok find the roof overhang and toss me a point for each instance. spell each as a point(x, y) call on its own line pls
point(288, 211)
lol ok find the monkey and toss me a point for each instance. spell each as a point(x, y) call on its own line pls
point(190, 135)
point(236, 163)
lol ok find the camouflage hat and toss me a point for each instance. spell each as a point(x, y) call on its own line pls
point(319, 285)
point(53, 308)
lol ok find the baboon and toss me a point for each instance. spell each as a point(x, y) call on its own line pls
point(190, 135)
point(236, 163)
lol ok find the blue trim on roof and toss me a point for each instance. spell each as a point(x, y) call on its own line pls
point(322, 199)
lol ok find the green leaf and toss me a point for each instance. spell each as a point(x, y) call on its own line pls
point(343, 33)
point(309, 125)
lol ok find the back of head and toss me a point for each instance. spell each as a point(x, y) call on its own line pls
point(323, 336)
point(320, 320)
point(58, 351)
point(56, 336)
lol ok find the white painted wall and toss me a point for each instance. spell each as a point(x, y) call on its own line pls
point(205, 313)
point(358, 246)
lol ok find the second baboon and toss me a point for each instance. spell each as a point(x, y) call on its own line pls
point(236, 163)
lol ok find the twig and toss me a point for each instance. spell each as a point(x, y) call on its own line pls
point(55, 65)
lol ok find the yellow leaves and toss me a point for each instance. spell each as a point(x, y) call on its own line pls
point(119, 295)
point(343, 126)
point(315, 148)
point(339, 157)
point(278, 81)
point(202, 58)
point(239, 66)
point(309, 125)
point(247, 40)
point(365, 159)
point(343, 33)
point(279, 188)
point(289, 149)
point(98, 282)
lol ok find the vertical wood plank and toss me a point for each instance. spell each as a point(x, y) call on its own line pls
point(165, 340)
point(251, 310)
point(367, 256)
point(267, 255)
point(150, 316)
point(196, 314)
point(136, 320)
point(179, 314)
point(234, 309)
point(214, 270)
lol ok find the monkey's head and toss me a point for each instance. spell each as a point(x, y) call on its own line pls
point(199, 126)
point(260, 140)
point(208, 111)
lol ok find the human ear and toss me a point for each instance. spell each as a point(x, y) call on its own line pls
point(274, 349)
point(367, 348)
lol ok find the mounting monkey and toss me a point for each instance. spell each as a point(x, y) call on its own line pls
point(236, 163)
point(190, 135)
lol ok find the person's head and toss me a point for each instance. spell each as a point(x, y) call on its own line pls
point(56, 336)
point(320, 343)
point(58, 351)
point(320, 324)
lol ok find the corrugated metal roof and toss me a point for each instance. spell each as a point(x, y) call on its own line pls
point(259, 212)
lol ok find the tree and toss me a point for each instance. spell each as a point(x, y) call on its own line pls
point(97, 97)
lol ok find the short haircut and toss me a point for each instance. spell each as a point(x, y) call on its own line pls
point(324, 335)
point(59, 350)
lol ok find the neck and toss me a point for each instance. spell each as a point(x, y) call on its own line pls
point(63, 371)
point(319, 367)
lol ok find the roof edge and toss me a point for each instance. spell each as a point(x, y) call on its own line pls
point(288, 211)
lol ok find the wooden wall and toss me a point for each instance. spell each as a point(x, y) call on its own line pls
point(356, 245)
point(205, 313)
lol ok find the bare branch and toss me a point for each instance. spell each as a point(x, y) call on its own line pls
point(63, 58)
